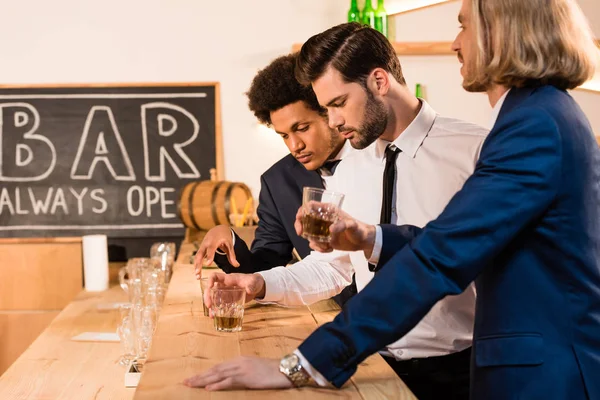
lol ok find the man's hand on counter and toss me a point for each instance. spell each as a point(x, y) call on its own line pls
point(254, 284)
point(242, 373)
point(219, 238)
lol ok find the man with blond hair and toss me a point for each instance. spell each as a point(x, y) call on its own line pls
point(525, 226)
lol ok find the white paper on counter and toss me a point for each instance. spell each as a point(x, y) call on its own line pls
point(96, 337)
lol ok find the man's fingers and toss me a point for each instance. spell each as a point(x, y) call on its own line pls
point(210, 254)
point(298, 222)
point(206, 378)
point(227, 383)
point(212, 279)
point(321, 247)
point(231, 255)
point(199, 258)
point(342, 225)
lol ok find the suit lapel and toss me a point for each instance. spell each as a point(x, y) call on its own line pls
point(305, 177)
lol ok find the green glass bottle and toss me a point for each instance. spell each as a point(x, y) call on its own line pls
point(419, 91)
point(368, 14)
point(354, 12)
point(381, 18)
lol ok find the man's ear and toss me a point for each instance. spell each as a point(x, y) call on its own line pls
point(380, 81)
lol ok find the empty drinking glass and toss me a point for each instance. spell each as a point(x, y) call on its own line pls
point(164, 252)
point(126, 332)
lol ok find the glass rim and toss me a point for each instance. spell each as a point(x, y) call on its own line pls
point(323, 191)
point(227, 289)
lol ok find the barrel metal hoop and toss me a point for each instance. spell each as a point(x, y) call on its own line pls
point(227, 203)
point(213, 199)
point(190, 208)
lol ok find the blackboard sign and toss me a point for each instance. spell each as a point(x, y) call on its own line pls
point(103, 159)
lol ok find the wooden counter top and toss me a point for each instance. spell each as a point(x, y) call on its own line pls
point(55, 367)
point(186, 343)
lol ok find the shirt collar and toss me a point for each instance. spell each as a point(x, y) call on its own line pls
point(411, 139)
point(344, 151)
point(497, 108)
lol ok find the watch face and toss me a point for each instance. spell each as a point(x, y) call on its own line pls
point(289, 362)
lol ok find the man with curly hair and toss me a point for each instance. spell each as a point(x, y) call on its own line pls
point(292, 110)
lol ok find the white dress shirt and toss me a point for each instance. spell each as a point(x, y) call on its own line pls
point(438, 155)
point(376, 252)
point(497, 108)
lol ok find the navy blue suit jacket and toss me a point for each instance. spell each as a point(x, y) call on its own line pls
point(275, 238)
point(526, 227)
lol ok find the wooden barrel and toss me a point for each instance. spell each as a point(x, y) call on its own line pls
point(205, 204)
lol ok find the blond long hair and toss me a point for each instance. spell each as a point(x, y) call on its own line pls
point(532, 42)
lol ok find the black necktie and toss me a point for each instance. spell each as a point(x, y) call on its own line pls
point(389, 179)
point(328, 167)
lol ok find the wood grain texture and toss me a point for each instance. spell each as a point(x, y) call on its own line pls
point(186, 343)
point(426, 49)
point(42, 240)
point(393, 14)
point(589, 90)
point(39, 276)
point(18, 330)
point(412, 48)
point(55, 367)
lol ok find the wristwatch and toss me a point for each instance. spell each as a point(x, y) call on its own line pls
point(290, 366)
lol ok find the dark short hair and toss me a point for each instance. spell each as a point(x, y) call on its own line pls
point(275, 87)
point(353, 49)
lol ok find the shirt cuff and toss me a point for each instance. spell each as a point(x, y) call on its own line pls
point(219, 252)
point(274, 288)
point(376, 253)
point(314, 374)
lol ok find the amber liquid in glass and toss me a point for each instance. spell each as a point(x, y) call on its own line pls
point(316, 227)
point(228, 324)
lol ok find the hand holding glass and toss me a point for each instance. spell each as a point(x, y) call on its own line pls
point(320, 210)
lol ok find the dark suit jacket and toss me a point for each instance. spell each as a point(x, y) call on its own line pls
point(526, 226)
point(275, 238)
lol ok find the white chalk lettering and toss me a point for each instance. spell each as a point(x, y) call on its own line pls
point(105, 146)
point(101, 145)
point(97, 194)
point(14, 131)
point(20, 211)
point(140, 201)
point(21, 119)
point(19, 150)
point(162, 146)
point(152, 198)
point(39, 205)
point(164, 202)
point(5, 201)
point(59, 201)
point(79, 197)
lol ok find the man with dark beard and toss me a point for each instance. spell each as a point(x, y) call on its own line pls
point(412, 164)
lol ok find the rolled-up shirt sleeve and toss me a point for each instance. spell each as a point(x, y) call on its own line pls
point(317, 277)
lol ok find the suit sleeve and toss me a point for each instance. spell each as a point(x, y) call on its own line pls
point(513, 184)
point(271, 247)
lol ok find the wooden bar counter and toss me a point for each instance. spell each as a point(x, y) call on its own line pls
point(55, 367)
point(186, 343)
